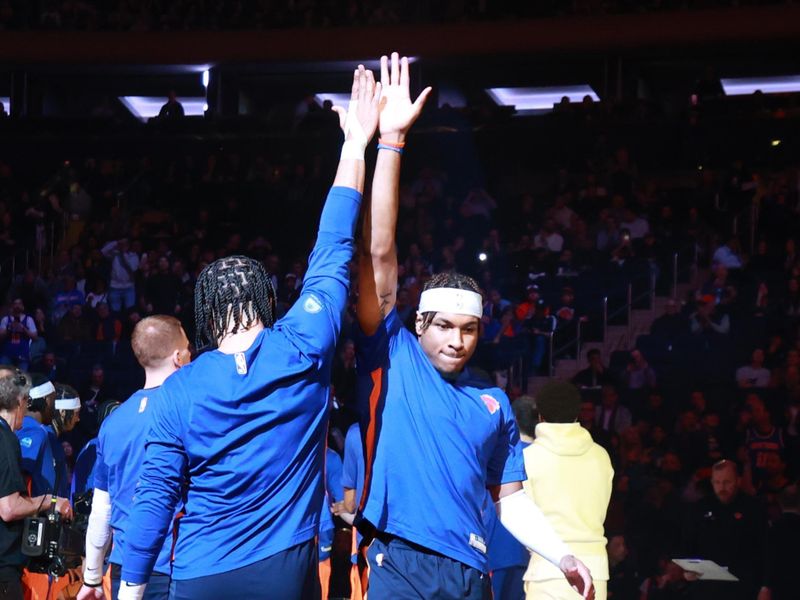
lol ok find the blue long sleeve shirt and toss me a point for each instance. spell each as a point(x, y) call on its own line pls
point(247, 431)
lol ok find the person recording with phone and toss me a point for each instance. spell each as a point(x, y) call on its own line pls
point(15, 503)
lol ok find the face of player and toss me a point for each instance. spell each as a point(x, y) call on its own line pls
point(725, 483)
point(449, 341)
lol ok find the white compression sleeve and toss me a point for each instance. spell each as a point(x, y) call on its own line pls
point(129, 591)
point(527, 523)
point(98, 534)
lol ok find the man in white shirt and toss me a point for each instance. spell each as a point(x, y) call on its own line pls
point(754, 374)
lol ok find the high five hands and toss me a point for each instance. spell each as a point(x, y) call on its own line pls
point(360, 120)
point(398, 112)
point(387, 101)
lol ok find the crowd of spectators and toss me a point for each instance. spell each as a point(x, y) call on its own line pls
point(718, 374)
point(159, 15)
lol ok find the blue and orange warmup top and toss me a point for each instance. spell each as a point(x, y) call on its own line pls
point(120, 455)
point(432, 446)
point(247, 431)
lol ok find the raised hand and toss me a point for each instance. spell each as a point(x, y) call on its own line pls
point(398, 112)
point(360, 120)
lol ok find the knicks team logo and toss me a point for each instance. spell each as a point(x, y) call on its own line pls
point(312, 305)
point(492, 404)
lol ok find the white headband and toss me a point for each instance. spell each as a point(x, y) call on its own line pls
point(451, 300)
point(68, 403)
point(40, 391)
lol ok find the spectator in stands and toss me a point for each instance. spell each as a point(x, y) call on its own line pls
point(98, 294)
point(549, 238)
point(636, 225)
point(172, 110)
point(706, 319)
point(526, 309)
point(163, 290)
point(638, 374)
point(728, 254)
point(124, 264)
point(730, 529)
point(611, 416)
point(65, 298)
point(108, 328)
point(32, 289)
point(565, 313)
point(623, 579)
point(17, 331)
point(754, 374)
point(672, 323)
point(762, 439)
point(609, 237)
point(75, 326)
point(596, 374)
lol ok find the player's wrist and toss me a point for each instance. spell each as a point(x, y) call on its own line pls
point(393, 137)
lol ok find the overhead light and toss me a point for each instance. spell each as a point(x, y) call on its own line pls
point(146, 107)
point(205, 78)
point(766, 85)
point(539, 99)
point(775, 143)
point(337, 99)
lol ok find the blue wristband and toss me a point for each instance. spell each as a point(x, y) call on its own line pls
point(392, 148)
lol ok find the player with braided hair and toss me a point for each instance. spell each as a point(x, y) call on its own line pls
point(232, 294)
point(239, 434)
point(435, 439)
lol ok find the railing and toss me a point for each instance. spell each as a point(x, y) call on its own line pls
point(627, 309)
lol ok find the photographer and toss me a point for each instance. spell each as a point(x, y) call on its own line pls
point(15, 504)
point(17, 331)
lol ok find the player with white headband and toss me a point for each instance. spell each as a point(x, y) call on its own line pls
point(434, 438)
point(65, 418)
point(34, 442)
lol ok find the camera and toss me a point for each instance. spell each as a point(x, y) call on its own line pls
point(53, 544)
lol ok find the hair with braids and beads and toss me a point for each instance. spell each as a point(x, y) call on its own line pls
point(447, 280)
point(236, 290)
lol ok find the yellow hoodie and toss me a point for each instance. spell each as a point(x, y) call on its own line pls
point(570, 479)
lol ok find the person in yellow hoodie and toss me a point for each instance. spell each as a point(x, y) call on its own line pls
point(570, 479)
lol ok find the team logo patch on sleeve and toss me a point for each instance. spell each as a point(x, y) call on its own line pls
point(26, 442)
point(492, 404)
point(312, 304)
point(142, 404)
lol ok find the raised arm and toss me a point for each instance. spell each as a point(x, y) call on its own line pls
point(314, 321)
point(378, 259)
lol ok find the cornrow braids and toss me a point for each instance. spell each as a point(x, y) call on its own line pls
point(236, 288)
point(448, 280)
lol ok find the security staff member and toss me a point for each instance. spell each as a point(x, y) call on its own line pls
point(15, 504)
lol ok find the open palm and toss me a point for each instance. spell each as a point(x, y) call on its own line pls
point(398, 112)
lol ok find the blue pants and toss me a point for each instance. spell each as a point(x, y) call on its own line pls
point(157, 588)
point(120, 299)
point(507, 583)
point(399, 570)
point(288, 575)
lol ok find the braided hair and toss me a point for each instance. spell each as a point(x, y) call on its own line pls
point(237, 288)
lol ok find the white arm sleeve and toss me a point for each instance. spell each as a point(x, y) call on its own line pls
point(128, 591)
point(98, 535)
point(527, 523)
